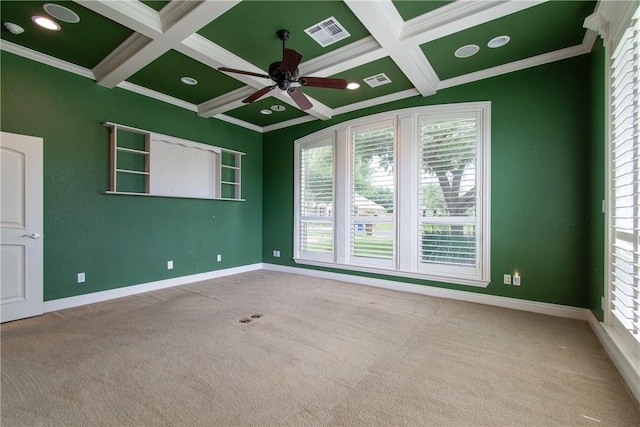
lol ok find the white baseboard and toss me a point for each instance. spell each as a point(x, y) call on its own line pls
point(628, 365)
point(513, 303)
point(63, 303)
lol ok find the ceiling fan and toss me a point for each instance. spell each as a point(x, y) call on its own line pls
point(284, 73)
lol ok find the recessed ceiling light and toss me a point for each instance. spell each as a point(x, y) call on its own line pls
point(498, 41)
point(278, 107)
point(47, 23)
point(267, 112)
point(353, 86)
point(467, 51)
point(14, 28)
point(61, 13)
point(189, 81)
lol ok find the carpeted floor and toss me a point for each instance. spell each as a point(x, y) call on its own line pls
point(322, 353)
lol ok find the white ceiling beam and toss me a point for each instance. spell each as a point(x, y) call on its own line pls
point(458, 16)
point(223, 103)
point(385, 24)
point(132, 14)
point(345, 58)
point(209, 53)
point(178, 20)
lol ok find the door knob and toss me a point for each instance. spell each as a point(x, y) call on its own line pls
point(33, 235)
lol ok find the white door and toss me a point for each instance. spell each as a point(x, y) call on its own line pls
point(21, 226)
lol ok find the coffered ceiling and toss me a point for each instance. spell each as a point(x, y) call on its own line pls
point(149, 46)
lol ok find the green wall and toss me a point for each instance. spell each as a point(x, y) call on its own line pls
point(123, 240)
point(547, 183)
point(540, 180)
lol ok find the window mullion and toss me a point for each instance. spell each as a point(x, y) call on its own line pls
point(342, 189)
point(407, 194)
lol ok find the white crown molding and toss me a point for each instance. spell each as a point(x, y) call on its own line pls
point(376, 101)
point(289, 123)
point(239, 122)
point(80, 300)
point(522, 64)
point(141, 90)
point(132, 14)
point(596, 22)
point(458, 16)
point(118, 65)
point(345, 58)
point(42, 58)
point(228, 101)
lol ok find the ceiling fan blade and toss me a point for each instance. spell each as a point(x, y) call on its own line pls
point(323, 82)
point(246, 73)
point(249, 99)
point(299, 98)
point(290, 61)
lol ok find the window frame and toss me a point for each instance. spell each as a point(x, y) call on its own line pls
point(311, 143)
point(406, 218)
point(619, 19)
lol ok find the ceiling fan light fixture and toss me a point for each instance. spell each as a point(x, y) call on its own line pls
point(353, 86)
point(498, 41)
point(278, 107)
point(467, 51)
point(189, 81)
point(47, 23)
point(266, 112)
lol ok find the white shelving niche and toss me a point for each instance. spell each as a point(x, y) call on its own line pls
point(145, 163)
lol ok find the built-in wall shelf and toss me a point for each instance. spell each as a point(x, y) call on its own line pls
point(145, 163)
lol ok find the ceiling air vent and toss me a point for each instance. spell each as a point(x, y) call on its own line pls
point(327, 32)
point(377, 80)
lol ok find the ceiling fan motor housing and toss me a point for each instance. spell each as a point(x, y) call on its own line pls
point(282, 78)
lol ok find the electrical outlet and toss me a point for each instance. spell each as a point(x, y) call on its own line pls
point(276, 254)
point(219, 258)
point(516, 280)
point(80, 277)
point(169, 265)
point(507, 279)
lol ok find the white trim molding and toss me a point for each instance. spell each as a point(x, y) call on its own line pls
point(624, 360)
point(77, 301)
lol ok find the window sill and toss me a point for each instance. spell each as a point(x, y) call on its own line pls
point(457, 280)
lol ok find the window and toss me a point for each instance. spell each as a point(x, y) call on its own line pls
point(372, 194)
point(403, 193)
point(624, 186)
point(448, 192)
point(314, 231)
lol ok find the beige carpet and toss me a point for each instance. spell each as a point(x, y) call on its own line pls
point(323, 353)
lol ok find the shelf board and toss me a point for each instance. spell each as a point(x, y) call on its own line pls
point(131, 150)
point(128, 193)
point(132, 172)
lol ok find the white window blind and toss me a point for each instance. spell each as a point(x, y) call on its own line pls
point(448, 187)
point(315, 233)
point(372, 193)
point(625, 181)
